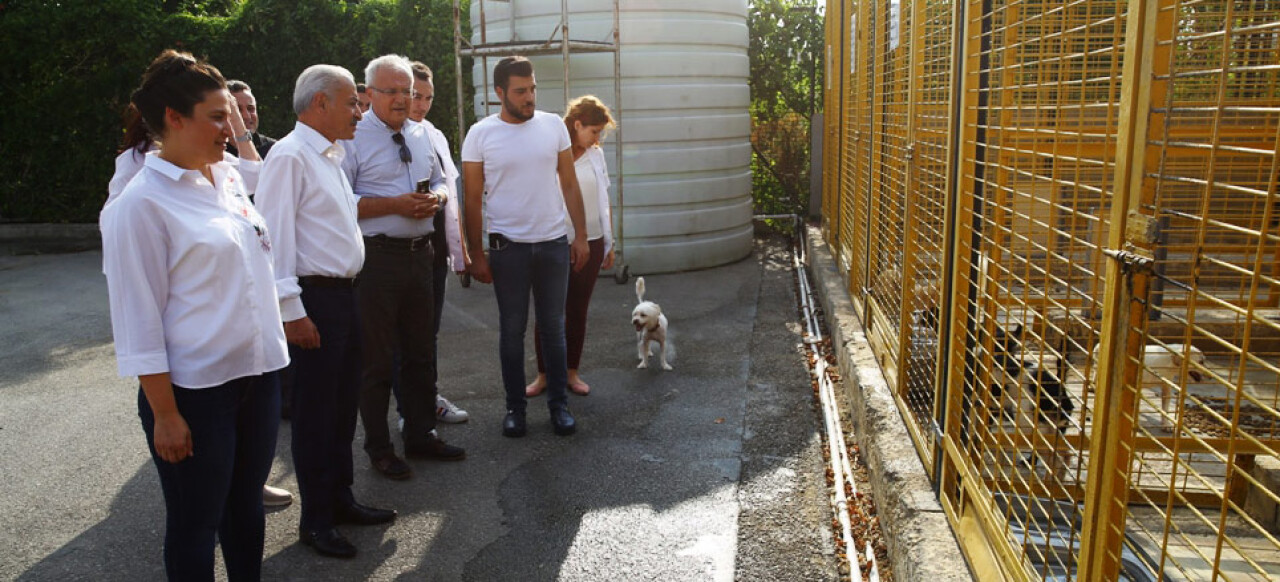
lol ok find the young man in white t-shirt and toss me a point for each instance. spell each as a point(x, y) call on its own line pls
point(510, 164)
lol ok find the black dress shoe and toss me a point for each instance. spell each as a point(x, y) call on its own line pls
point(392, 467)
point(562, 421)
point(363, 515)
point(513, 425)
point(328, 542)
point(433, 447)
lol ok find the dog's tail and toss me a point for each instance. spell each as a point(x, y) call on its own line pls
point(640, 289)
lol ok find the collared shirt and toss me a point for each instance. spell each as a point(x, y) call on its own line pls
point(130, 161)
point(375, 169)
point(188, 266)
point(310, 209)
point(452, 224)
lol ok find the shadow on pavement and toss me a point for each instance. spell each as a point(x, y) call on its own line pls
point(670, 474)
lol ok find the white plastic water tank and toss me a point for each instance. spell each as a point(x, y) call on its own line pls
point(684, 117)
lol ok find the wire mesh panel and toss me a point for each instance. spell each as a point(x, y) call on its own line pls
point(853, 223)
point(834, 78)
point(1045, 115)
point(887, 210)
point(1017, 187)
point(1203, 488)
point(929, 35)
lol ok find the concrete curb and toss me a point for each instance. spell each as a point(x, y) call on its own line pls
point(48, 239)
point(921, 543)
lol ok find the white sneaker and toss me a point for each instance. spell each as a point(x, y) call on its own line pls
point(447, 412)
point(275, 496)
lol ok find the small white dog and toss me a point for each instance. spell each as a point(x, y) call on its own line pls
point(651, 326)
point(1162, 365)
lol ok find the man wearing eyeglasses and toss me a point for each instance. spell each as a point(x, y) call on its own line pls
point(385, 161)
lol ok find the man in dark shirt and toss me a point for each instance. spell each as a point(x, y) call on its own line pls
point(249, 112)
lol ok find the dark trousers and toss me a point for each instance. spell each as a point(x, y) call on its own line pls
point(541, 269)
point(218, 490)
point(439, 278)
point(326, 392)
point(396, 306)
point(576, 302)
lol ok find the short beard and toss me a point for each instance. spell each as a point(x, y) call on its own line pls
point(514, 111)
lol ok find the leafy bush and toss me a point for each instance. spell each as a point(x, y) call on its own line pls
point(785, 54)
point(69, 67)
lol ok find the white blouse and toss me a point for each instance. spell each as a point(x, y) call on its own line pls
point(188, 266)
point(590, 204)
point(599, 193)
point(130, 161)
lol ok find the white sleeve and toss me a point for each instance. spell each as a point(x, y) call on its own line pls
point(135, 255)
point(453, 226)
point(350, 166)
point(606, 216)
point(562, 135)
point(277, 200)
point(127, 165)
point(250, 170)
point(473, 146)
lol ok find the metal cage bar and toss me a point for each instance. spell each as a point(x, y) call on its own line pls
point(1061, 228)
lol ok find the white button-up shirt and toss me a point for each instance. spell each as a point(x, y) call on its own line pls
point(188, 266)
point(375, 169)
point(452, 226)
point(310, 209)
point(129, 163)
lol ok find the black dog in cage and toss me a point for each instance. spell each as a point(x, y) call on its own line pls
point(1029, 393)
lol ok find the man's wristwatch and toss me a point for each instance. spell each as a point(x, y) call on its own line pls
point(246, 136)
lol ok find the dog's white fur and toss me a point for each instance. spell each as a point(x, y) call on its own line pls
point(1162, 364)
point(651, 327)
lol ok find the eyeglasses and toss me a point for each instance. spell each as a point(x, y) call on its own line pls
point(405, 155)
point(393, 92)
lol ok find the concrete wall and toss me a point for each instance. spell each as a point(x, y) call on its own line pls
point(921, 543)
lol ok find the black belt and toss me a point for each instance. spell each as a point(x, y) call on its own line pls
point(383, 241)
point(318, 281)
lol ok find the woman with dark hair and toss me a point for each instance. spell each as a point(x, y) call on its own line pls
point(587, 120)
point(195, 317)
point(138, 142)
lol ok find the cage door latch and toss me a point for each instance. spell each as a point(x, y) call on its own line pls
point(1131, 262)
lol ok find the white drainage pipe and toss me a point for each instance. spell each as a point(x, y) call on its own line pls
point(838, 451)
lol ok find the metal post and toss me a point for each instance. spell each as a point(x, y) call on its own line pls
point(617, 143)
point(457, 67)
point(564, 49)
point(1115, 409)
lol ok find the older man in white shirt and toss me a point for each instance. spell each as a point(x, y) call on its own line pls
point(308, 205)
point(387, 159)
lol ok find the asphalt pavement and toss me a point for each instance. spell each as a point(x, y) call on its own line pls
point(711, 471)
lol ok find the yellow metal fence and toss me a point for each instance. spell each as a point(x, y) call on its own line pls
point(1060, 228)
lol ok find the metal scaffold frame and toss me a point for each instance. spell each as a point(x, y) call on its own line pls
point(558, 42)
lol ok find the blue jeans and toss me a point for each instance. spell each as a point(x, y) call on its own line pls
point(218, 490)
point(541, 269)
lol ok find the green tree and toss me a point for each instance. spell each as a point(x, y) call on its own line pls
point(69, 66)
point(785, 51)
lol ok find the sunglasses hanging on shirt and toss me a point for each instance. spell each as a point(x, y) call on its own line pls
point(405, 155)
